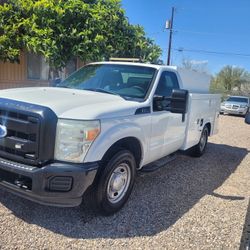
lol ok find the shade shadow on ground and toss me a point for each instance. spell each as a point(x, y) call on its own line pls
point(159, 199)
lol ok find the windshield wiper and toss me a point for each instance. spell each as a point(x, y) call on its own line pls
point(103, 91)
point(63, 86)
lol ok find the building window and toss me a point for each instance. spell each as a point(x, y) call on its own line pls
point(37, 67)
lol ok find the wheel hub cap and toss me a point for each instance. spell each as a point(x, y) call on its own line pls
point(203, 140)
point(118, 183)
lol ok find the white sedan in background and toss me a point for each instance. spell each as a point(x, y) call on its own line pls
point(237, 105)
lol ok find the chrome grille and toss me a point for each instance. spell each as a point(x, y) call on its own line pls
point(235, 106)
point(22, 139)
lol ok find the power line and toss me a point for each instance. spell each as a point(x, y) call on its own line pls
point(200, 32)
point(176, 31)
point(212, 52)
point(192, 32)
point(155, 33)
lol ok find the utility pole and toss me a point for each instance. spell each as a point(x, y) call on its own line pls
point(169, 25)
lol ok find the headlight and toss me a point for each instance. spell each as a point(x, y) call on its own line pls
point(74, 138)
point(222, 104)
point(243, 106)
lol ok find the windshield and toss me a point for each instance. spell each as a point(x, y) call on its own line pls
point(124, 80)
point(237, 99)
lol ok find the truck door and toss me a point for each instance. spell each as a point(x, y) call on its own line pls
point(168, 129)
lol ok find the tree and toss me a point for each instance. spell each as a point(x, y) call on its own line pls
point(231, 80)
point(230, 77)
point(64, 29)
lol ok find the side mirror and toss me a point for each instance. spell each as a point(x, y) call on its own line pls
point(160, 103)
point(178, 101)
point(247, 118)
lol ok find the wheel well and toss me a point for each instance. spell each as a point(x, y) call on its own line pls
point(130, 143)
point(209, 127)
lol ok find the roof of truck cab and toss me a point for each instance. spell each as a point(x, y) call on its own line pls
point(139, 64)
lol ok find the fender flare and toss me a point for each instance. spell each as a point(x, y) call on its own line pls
point(108, 138)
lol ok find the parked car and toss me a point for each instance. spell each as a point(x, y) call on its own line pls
point(87, 137)
point(237, 105)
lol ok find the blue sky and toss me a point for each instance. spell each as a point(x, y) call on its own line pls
point(218, 26)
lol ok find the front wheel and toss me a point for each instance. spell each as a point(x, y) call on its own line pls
point(115, 184)
point(199, 149)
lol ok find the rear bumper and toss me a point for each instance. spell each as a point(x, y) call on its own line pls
point(56, 184)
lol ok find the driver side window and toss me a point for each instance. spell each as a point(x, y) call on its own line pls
point(168, 81)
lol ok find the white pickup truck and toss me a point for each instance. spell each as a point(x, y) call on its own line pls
point(87, 137)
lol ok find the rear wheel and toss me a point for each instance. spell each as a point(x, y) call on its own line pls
point(199, 149)
point(114, 185)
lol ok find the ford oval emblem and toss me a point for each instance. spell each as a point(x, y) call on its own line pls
point(3, 131)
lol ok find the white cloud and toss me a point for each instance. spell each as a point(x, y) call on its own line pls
point(196, 62)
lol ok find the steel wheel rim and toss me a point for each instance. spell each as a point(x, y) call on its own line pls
point(203, 140)
point(118, 183)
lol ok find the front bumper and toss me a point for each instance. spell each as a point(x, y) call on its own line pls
point(239, 111)
point(56, 184)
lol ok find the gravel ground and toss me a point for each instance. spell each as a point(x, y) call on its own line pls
point(193, 203)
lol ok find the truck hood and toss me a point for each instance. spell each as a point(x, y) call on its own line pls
point(74, 104)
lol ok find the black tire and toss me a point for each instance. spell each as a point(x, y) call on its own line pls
point(199, 149)
point(100, 197)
